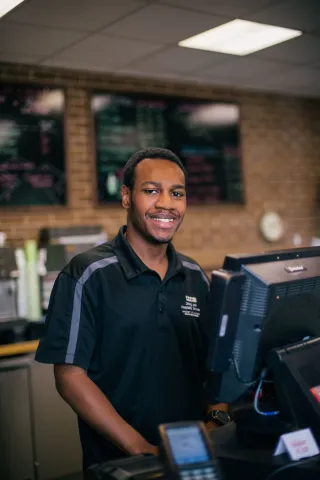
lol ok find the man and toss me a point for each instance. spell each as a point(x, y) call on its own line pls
point(125, 328)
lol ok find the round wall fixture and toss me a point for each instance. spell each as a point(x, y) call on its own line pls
point(272, 226)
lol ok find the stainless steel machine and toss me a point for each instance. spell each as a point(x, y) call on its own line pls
point(9, 275)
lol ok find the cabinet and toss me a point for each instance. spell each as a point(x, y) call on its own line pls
point(39, 437)
point(16, 442)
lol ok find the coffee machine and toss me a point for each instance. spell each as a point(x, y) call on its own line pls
point(9, 276)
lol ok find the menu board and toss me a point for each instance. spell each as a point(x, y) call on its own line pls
point(203, 133)
point(32, 159)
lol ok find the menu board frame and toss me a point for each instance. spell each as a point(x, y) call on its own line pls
point(166, 97)
point(36, 206)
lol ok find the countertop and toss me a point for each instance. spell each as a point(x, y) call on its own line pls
point(18, 348)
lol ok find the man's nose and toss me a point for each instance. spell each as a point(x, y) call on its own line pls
point(164, 200)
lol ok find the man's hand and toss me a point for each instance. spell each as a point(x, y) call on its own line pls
point(153, 450)
point(144, 448)
point(210, 426)
point(217, 406)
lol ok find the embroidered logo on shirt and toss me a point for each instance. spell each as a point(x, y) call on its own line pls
point(191, 299)
point(190, 308)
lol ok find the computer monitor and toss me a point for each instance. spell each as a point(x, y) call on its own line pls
point(235, 261)
point(262, 316)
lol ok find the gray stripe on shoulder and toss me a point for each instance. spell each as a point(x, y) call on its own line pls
point(77, 301)
point(194, 266)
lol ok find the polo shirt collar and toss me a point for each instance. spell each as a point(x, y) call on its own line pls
point(132, 265)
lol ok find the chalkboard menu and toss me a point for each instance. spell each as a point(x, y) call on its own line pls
point(204, 134)
point(32, 160)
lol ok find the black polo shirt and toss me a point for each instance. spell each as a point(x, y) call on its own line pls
point(141, 339)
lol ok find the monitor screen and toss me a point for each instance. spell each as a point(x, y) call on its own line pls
point(187, 445)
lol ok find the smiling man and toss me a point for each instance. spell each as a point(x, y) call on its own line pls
point(125, 328)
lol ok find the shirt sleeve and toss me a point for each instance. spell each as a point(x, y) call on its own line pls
point(70, 333)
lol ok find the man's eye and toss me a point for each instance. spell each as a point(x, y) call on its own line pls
point(150, 191)
point(177, 194)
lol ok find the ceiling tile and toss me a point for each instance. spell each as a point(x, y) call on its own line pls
point(242, 68)
point(296, 14)
point(301, 50)
point(144, 73)
point(198, 80)
point(81, 65)
point(229, 8)
point(294, 77)
point(163, 24)
point(177, 60)
point(31, 40)
point(105, 51)
point(19, 58)
point(74, 14)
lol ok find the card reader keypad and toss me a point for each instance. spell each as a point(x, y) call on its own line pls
point(207, 473)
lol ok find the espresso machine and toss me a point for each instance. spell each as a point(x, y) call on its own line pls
point(9, 276)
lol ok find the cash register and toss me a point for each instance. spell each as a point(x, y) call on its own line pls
point(264, 361)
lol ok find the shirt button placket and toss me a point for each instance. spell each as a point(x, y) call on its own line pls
point(161, 310)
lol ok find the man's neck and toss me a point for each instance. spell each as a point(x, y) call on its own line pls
point(153, 256)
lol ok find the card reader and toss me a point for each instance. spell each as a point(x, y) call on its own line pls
point(186, 451)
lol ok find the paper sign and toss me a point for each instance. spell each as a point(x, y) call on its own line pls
point(299, 444)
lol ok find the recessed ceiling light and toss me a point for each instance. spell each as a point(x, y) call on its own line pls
point(239, 37)
point(7, 5)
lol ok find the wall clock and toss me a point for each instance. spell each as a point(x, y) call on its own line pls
point(272, 226)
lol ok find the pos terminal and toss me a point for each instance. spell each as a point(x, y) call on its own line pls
point(186, 451)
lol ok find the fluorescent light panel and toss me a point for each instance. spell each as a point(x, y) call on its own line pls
point(7, 5)
point(239, 37)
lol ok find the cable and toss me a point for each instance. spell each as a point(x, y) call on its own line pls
point(245, 382)
point(248, 383)
point(289, 465)
point(256, 399)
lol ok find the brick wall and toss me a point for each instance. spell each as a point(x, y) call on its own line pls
point(280, 146)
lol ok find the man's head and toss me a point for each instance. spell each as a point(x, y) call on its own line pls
point(154, 193)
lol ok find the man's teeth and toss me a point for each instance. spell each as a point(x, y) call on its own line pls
point(165, 220)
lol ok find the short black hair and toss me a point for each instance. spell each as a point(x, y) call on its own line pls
point(150, 152)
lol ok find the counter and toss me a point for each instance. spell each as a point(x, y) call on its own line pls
point(18, 348)
point(41, 430)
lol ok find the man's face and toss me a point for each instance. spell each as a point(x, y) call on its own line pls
point(157, 203)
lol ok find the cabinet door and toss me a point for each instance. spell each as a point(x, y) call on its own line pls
point(57, 444)
point(16, 442)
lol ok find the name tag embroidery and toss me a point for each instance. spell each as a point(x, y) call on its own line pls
point(190, 308)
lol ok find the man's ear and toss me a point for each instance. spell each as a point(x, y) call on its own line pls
point(126, 196)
